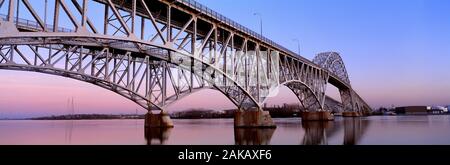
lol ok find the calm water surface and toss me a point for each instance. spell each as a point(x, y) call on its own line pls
point(367, 130)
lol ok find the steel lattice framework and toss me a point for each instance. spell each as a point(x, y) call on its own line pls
point(157, 52)
point(333, 62)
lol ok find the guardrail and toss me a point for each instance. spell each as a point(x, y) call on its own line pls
point(33, 25)
point(211, 13)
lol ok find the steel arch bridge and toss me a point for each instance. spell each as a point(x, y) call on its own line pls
point(157, 52)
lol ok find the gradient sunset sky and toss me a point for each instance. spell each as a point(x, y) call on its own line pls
point(397, 52)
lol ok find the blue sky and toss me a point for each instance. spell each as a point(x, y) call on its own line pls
point(397, 52)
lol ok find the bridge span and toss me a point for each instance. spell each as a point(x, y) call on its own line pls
point(155, 52)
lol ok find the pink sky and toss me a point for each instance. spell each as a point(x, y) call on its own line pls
point(26, 94)
point(31, 94)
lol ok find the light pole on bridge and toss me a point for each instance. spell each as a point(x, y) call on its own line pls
point(298, 44)
point(260, 22)
point(45, 13)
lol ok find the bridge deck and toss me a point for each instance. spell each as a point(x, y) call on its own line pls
point(193, 5)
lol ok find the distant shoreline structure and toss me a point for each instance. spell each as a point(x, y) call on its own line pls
point(284, 111)
point(88, 117)
point(412, 110)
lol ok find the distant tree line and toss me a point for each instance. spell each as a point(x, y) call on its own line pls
point(277, 111)
point(89, 117)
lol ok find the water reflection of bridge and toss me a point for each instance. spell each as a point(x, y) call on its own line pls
point(316, 133)
point(242, 136)
point(253, 136)
point(354, 129)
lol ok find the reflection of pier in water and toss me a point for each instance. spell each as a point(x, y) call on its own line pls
point(318, 132)
point(253, 136)
point(354, 129)
point(157, 135)
point(68, 129)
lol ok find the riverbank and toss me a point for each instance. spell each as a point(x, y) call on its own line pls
point(278, 112)
point(89, 117)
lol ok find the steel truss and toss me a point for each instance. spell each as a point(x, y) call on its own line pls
point(157, 52)
point(333, 63)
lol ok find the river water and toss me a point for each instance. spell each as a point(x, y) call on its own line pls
point(374, 130)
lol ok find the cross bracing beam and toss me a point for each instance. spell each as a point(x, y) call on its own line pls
point(192, 46)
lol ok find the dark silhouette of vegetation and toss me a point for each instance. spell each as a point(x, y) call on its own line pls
point(89, 117)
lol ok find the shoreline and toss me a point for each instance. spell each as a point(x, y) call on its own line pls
point(187, 118)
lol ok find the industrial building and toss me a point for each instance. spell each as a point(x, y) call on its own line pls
point(420, 110)
point(412, 110)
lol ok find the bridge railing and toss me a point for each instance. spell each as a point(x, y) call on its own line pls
point(33, 25)
point(211, 13)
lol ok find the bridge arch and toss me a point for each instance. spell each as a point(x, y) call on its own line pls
point(120, 90)
point(309, 100)
point(89, 62)
point(305, 95)
point(332, 61)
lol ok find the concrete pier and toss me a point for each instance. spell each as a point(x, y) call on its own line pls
point(351, 114)
point(161, 120)
point(317, 116)
point(253, 118)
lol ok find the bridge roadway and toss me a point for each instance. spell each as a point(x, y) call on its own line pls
point(157, 52)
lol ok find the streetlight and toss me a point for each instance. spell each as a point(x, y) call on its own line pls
point(298, 44)
point(45, 14)
point(261, 24)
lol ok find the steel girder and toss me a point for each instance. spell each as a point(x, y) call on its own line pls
point(185, 47)
point(197, 62)
point(152, 84)
point(307, 82)
point(333, 62)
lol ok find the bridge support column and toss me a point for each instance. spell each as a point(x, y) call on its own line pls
point(317, 116)
point(253, 118)
point(161, 120)
point(351, 114)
